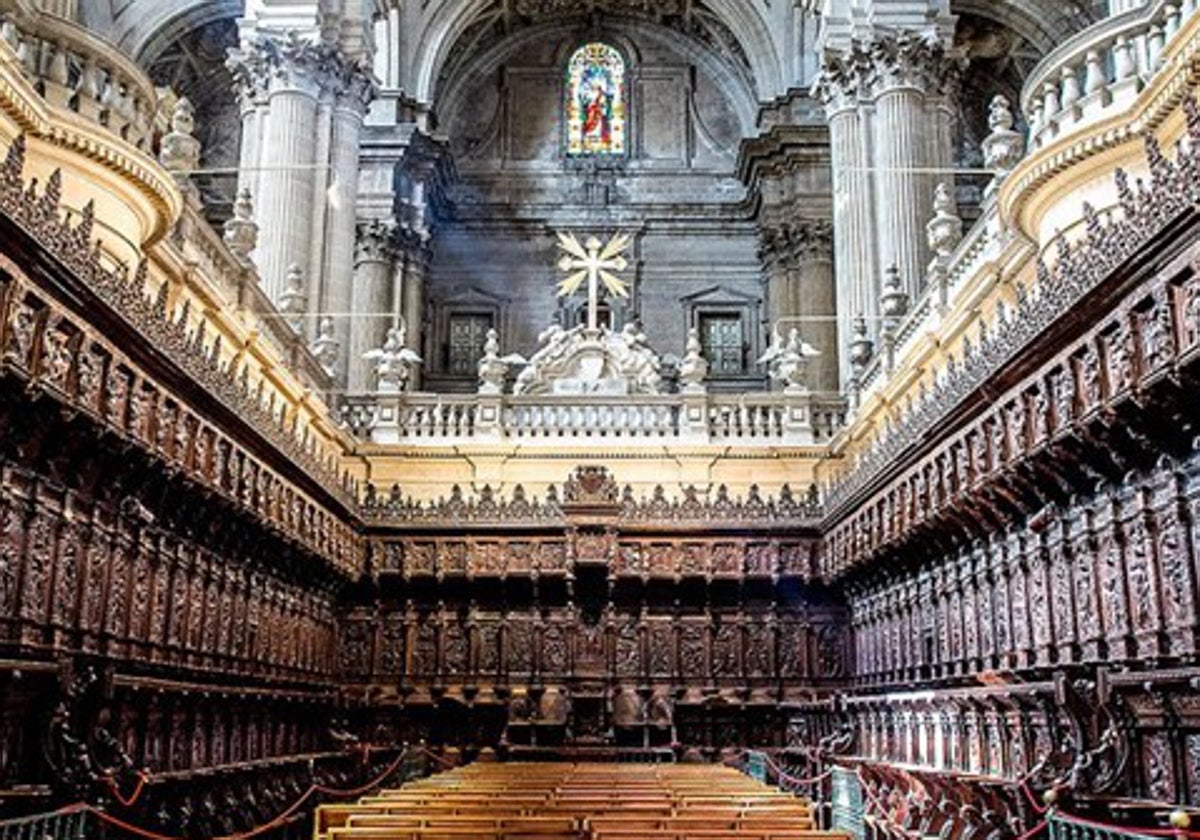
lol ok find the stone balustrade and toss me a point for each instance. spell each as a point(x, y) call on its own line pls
point(769, 419)
point(1101, 70)
point(75, 70)
point(238, 283)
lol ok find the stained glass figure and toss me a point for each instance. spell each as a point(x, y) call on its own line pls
point(596, 102)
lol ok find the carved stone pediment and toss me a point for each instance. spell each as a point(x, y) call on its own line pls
point(581, 361)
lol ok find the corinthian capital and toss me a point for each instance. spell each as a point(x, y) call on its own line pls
point(293, 62)
point(910, 60)
point(812, 240)
point(375, 242)
point(868, 68)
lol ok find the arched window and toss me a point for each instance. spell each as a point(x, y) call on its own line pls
point(596, 102)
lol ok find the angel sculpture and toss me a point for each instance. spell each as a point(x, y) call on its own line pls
point(393, 362)
point(787, 362)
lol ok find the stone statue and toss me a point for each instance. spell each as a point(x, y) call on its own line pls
point(393, 362)
point(493, 368)
point(787, 361)
point(636, 361)
point(587, 361)
point(694, 367)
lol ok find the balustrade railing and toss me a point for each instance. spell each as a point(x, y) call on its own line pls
point(1066, 827)
point(1100, 70)
point(73, 69)
point(745, 419)
point(70, 824)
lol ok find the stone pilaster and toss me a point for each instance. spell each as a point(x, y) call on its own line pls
point(412, 293)
point(816, 300)
point(371, 303)
point(798, 263)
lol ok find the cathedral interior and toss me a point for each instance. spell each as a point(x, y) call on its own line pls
point(506, 418)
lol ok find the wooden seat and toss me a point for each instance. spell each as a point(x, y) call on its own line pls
point(521, 801)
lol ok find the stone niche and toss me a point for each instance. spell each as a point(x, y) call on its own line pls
point(676, 193)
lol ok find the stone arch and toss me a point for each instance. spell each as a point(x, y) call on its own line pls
point(1043, 25)
point(184, 46)
point(451, 22)
point(145, 28)
point(448, 96)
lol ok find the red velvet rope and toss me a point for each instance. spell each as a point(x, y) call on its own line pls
point(271, 825)
point(137, 791)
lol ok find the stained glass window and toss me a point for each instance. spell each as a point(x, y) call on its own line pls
point(596, 102)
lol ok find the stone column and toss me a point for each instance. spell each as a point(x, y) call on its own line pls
point(854, 255)
point(285, 178)
point(371, 302)
point(816, 300)
point(340, 258)
point(912, 137)
point(903, 193)
point(413, 296)
point(773, 255)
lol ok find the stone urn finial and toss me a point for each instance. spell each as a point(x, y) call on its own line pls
point(893, 301)
point(861, 346)
point(693, 369)
point(326, 348)
point(179, 152)
point(493, 370)
point(945, 229)
point(241, 233)
point(1004, 147)
point(293, 302)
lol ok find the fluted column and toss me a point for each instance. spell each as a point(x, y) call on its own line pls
point(416, 271)
point(904, 191)
point(889, 103)
point(340, 262)
point(857, 286)
point(371, 302)
point(279, 150)
point(912, 139)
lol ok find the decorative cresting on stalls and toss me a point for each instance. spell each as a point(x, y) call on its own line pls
point(589, 619)
point(1037, 514)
